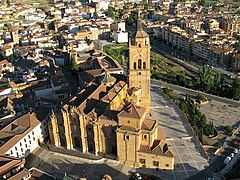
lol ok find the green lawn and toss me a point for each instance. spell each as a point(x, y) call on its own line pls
point(118, 52)
point(163, 68)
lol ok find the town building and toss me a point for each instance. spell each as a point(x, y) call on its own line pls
point(120, 37)
point(12, 168)
point(23, 135)
point(118, 26)
point(236, 62)
point(230, 26)
point(211, 25)
point(6, 51)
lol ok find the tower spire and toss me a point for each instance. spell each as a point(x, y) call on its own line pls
point(139, 22)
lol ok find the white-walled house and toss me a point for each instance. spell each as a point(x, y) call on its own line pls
point(120, 37)
point(6, 91)
point(23, 135)
point(103, 5)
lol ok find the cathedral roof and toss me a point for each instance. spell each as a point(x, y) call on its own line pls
point(159, 147)
point(133, 111)
point(148, 124)
point(109, 115)
point(128, 128)
point(96, 96)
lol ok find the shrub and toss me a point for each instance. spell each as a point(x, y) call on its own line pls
point(202, 98)
point(219, 144)
point(167, 90)
point(229, 129)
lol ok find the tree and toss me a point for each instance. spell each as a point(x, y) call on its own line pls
point(200, 135)
point(202, 2)
point(183, 106)
point(73, 63)
point(216, 83)
point(205, 80)
point(204, 119)
point(131, 19)
point(219, 144)
point(1, 57)
point(8, 25)
point(167, 90)
point(181, 78)
point(211, 128)
point(8, 3)
point(201, 98)
point(236, 89)
point(237, 45)
point(111, 12)
point(88, 41)
point(229, 129)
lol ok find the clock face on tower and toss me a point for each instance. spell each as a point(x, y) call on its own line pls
point(139, 51)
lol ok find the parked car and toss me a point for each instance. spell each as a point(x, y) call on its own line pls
point(231, 155)
point(210, 178)
point(227, 160)
point(137, 176)
point(235, 151)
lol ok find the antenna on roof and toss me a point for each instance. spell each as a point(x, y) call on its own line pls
point(30, 110)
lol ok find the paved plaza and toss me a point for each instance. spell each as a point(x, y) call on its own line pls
point(221, 114)
point(189, 158)
point(59, 164)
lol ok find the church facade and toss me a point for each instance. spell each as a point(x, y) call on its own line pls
point(110, 115)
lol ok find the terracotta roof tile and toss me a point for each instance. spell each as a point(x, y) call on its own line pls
point(237, 56)
point(9, 162)
point(128, 128)
point(148, 124)
point(16, 130)
point(161, 134)
point(223, 50)
point(21, 175)
point(145, 148)
point(159, 147)
point(133, 111)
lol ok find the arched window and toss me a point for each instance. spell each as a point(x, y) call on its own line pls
point(139, 64)
point(135, 65)
point(144, 65)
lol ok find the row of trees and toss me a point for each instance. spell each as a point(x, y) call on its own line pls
point(212, 83)
point(197, 119)
point(206, 81)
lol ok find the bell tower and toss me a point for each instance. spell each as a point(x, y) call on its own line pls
point(139, 64)
point(14, 36)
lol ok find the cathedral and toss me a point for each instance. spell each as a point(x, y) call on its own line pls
point(111, 115)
